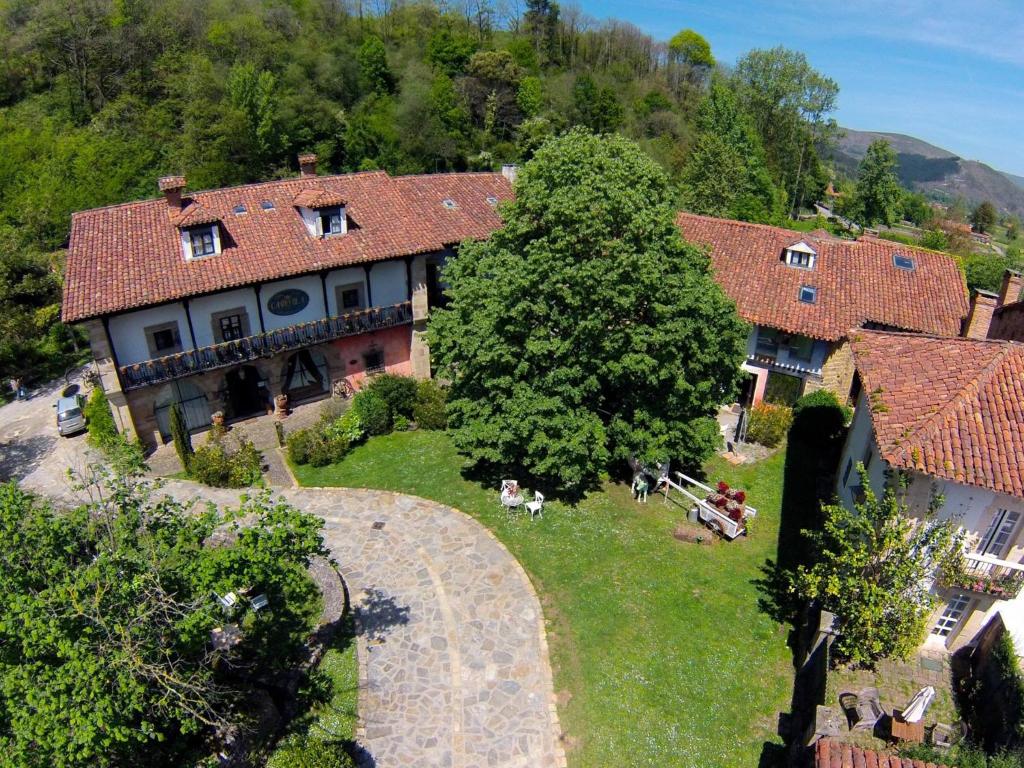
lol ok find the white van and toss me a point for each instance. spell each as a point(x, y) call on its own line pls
point(70, 418)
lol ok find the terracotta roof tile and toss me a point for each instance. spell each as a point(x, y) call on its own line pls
point(856, 280)
point(950, 407)
point(831, 754)
point(128, 256)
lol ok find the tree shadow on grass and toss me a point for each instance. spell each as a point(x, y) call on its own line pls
point(489, 477)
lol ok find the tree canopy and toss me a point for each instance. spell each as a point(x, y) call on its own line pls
point(984, 216)
point(585, 330)
point(106, 615)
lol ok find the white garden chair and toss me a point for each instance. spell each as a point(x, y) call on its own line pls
point(536, 507)
point(510, 497)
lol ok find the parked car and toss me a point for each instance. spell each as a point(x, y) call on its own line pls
point(70, 417)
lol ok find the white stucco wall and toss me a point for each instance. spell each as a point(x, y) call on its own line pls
point(314, 310)
point(203, 309)
point(859, 440)
point(128, 335)
point(388, 283)
point(343, 277)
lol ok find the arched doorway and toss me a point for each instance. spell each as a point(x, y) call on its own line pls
point(246, 392)
point(194, 407)
point(305, 375)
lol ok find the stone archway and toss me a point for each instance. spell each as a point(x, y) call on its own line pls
point(246, 392)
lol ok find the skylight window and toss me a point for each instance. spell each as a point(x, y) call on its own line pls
point(239, 209)
point(492, 200)
point(267, 205)
point(808, 294)
point(450, 204)
point(902, 262)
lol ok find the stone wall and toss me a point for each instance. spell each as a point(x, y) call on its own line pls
point(836, 372)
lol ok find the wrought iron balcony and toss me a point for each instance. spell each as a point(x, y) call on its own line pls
point(266, 344)
point(986, 575)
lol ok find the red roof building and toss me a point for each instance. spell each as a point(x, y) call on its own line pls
point(947, 414)
point(832, 754)
point(803, 292)
point(236, 300)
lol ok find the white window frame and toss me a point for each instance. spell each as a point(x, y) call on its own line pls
point(329, 213)
point(952, 615)
point(998, 538)
point(186, 241)
point(801, 256)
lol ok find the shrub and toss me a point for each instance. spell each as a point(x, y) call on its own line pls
point(299, 443)
point(216, 465)
point(769, 423)
point(99, 419)
point(309, 752)
point(399, 392)
point(327, 449)
point(822, 399)
point(429, 411)
point(348, 425)
point(402, 424)
point(373, 412)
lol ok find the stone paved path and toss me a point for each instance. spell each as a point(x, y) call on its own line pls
point(453, 659)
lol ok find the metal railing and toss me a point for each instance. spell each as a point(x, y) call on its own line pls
point(987, 575)
point(266, 344)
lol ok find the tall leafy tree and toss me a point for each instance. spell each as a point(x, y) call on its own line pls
point(595, 107)
point(790, 103)
point(585, 330)
point(726, 174)
point(873, 566)
point(879, 196)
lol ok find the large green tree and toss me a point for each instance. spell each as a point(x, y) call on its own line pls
point(984, 216)
point(585, 330)
point(725, 174)
point(873, 566)
point(105, 620)
point(879, 196)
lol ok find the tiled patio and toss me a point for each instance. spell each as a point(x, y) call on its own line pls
point(897, 682)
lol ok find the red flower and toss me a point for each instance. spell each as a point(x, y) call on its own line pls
point(723, 487)
point(740, 497)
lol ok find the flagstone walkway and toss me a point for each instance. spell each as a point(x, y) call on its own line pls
point(453, 658)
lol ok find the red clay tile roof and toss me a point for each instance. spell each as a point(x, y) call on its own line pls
point(831, 754)
point(194, 214)
point(856, 280)
point(318, 198)
point(950, 407)
point(128, 256)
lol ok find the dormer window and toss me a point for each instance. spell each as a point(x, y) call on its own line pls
point(203, 241)
point(332, 221)
point(800, 255)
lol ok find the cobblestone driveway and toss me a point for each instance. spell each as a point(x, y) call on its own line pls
point(453, 660)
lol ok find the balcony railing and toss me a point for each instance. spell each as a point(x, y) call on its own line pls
point(986, 575)
point(265, 344)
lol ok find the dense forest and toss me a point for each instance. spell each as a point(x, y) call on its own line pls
point(98, 98)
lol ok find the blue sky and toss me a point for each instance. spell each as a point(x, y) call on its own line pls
point(951, 73)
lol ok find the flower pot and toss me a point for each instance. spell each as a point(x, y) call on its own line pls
point(281, 405)
point(217, 419)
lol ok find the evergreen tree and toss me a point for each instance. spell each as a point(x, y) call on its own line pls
point(595, 108)
point(585, 330)
point(879, 195)
point(984, 216)
point(181, 436)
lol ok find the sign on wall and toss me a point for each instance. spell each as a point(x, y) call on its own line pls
point(288, 302)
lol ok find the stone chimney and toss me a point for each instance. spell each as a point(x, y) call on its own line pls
point(510, 172)
point(1013, 282)
point(172, 187)
point(307, 164)
point(983, 304)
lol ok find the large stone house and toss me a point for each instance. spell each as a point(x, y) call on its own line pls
point(223, 300)
point(803, 292)
point(949, 414)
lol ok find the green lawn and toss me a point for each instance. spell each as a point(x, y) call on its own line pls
point(660, 654)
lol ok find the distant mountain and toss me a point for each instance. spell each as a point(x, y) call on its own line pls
point(936, 172)
point(1018, 180)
